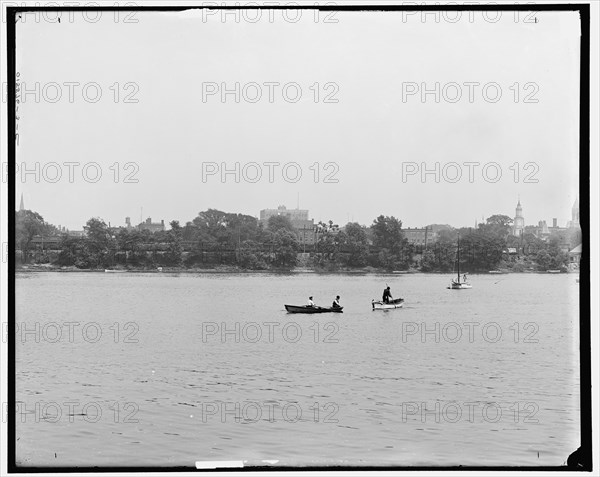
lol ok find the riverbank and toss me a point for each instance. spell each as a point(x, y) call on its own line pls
point(294, 271)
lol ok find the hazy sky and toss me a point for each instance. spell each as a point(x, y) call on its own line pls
point(375, 134)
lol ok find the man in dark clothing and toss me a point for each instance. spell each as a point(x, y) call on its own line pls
point(336, 302)
point(387, 295)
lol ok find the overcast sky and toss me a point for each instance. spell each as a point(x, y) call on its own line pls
point(374, 135)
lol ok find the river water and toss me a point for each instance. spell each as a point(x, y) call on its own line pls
point(154, 369)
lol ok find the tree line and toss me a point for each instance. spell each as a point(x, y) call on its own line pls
point(215, 237)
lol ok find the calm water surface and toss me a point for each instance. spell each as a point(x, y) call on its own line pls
point(178, 368)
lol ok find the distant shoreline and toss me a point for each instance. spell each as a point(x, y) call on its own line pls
point(296, 271)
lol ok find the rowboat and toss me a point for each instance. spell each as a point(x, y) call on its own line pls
point(379, 305)
point(312, 309)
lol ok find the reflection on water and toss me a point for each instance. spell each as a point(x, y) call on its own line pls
point(161, 369)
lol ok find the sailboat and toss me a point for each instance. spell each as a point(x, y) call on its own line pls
point(456, 284)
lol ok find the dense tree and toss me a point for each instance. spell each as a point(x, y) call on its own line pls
point(211, 226)
point(279, 222)
point(481, 249)
point(285, 248)
point(95, 250)
point(71, 251)
point(28, 224)
point(387, 233)
point(189, 232)
point(244, 227)
point(329, 242)
point(358, 245)
point(251, 256)
point(216, 226)
point(174, 249)
point(499, 225)
point(220, 237)
point(543, 260)
point(429, 261)
point(553, 257)
point(388, 237)
point(441, 256)
point(97, 232)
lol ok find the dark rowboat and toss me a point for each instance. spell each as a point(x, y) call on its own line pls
point(312, 309)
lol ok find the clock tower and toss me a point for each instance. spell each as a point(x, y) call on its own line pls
point(519, 221)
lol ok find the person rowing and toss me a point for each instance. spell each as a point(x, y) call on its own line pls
point(336, 302)
point(387, 295)
point(310, 301)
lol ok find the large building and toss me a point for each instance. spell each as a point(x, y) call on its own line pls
point(574, 222)
point(304, 227)
point(424, 236)
point(149, 225)
point(419, 236)
point(295, 215)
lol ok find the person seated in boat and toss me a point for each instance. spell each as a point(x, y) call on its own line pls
point(336, 302)
point(387, 295)
point(465, 277)
point(310, 301)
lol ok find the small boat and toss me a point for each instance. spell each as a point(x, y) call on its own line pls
point(312, 309)
point(552, 271)
point(495, 272)
point(107, 270)
point(379, 305)
point(456, 284)
point(459, 285)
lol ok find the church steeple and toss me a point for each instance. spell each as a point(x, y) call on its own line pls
point(519, 221)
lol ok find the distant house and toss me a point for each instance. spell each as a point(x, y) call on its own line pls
point(575, 257)
point(511, 254)
point(48, 242)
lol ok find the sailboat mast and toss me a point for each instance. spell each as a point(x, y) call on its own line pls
point(458, 261)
